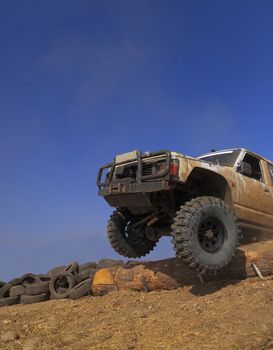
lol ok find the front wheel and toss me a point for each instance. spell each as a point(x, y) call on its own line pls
point(205, 234)
point(126, 241)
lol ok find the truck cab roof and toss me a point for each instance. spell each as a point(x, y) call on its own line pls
point(230, 151)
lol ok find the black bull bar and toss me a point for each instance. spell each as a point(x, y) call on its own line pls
point(139, 178)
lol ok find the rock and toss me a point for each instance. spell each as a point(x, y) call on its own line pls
point(104, 263)
point(138, 278)
point(9, 336)
point(133, 279)
point(163, 281)
point(104, 276)
point(132, 263)
point(31, 343)
point(142, 278)
point(103, 282)
point(103, 289)
point(124, 275)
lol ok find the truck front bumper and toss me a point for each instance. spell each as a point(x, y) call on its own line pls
point(126, 192)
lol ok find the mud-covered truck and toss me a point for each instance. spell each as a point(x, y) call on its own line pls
point(206, 204)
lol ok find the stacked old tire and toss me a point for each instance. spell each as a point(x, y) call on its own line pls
point(72, 281)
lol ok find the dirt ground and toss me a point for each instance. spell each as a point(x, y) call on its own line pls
point(218, 315)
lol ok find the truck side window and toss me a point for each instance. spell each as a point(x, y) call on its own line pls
point(270, 167)
point(255, 171)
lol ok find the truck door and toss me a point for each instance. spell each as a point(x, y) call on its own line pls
point(270, 183)
point(254, 204)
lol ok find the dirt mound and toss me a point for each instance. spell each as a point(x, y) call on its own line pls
point(223, 313)
point(218, 315)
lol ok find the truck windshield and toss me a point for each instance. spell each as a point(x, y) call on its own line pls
point(224, 158)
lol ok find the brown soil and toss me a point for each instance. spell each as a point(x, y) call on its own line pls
point(218, 315)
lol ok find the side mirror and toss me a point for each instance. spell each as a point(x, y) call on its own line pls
point(245, 169)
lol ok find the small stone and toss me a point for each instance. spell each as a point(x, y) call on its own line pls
point(31, 343)
point(6, 322)
point(9, 336)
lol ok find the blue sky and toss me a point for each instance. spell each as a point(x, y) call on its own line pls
point(81, 81)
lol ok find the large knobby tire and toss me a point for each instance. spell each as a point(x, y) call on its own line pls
point(205, 234)
point(121, 243)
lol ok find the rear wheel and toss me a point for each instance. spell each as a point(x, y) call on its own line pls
point(205, 234)
point(127, 240)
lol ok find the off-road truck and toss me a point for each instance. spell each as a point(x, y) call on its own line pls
point(206, 204)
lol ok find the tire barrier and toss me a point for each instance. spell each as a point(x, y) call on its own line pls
point(74, 281)
point(71, 281)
